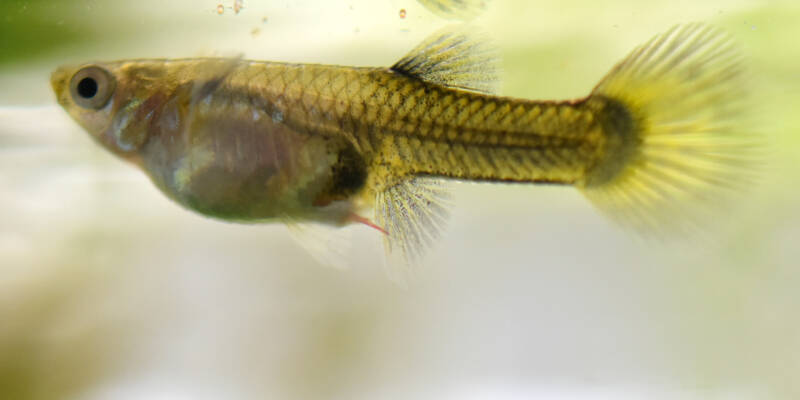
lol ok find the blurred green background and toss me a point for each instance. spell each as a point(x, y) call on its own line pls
point(110, 291)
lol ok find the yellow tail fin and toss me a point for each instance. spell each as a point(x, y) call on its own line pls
point(685, 91)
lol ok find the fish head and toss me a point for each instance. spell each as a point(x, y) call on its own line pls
point(114, 106)
point(86, 93)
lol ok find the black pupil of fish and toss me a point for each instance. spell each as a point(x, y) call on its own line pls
point(87, 88)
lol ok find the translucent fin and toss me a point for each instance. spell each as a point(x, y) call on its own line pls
point(454, 58)
point(328, 245)
point(689, 140)
point(456, 9)
point(212, 72)
point(413, 213)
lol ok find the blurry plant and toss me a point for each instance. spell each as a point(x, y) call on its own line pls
point(29, 28)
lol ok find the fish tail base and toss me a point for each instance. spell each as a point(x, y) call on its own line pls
point(675, 113)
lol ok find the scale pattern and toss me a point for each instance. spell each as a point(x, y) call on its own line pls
point(404, 126)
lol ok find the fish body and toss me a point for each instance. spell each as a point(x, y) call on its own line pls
point(254, 141)
point(270, 139)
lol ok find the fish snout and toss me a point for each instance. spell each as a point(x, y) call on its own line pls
point(59, 81)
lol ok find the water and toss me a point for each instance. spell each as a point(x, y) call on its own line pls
point(110, 291)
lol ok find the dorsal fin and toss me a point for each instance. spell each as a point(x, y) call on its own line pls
point(455, 58)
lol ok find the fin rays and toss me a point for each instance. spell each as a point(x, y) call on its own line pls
point(455, 9)
point(687, 90)
point(453, 58)
point(413, 213)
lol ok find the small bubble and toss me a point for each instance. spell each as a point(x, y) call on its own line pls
point(220, 9)
point(402, 13)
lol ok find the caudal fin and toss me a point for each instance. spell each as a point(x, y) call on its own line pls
point(690, 141)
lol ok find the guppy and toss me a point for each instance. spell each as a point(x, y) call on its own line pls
point(250, 141)
point(455, 9)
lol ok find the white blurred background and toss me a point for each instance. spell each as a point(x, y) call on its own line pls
point(110, 291)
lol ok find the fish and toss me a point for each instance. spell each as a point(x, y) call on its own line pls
point(455, 9)
point(661, 139)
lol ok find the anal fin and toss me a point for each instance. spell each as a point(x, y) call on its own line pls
point(413, 213)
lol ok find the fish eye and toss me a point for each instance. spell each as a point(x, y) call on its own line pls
point(91, 87)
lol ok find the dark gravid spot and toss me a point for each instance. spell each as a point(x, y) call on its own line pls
point(348, 176)
point(350, 172)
